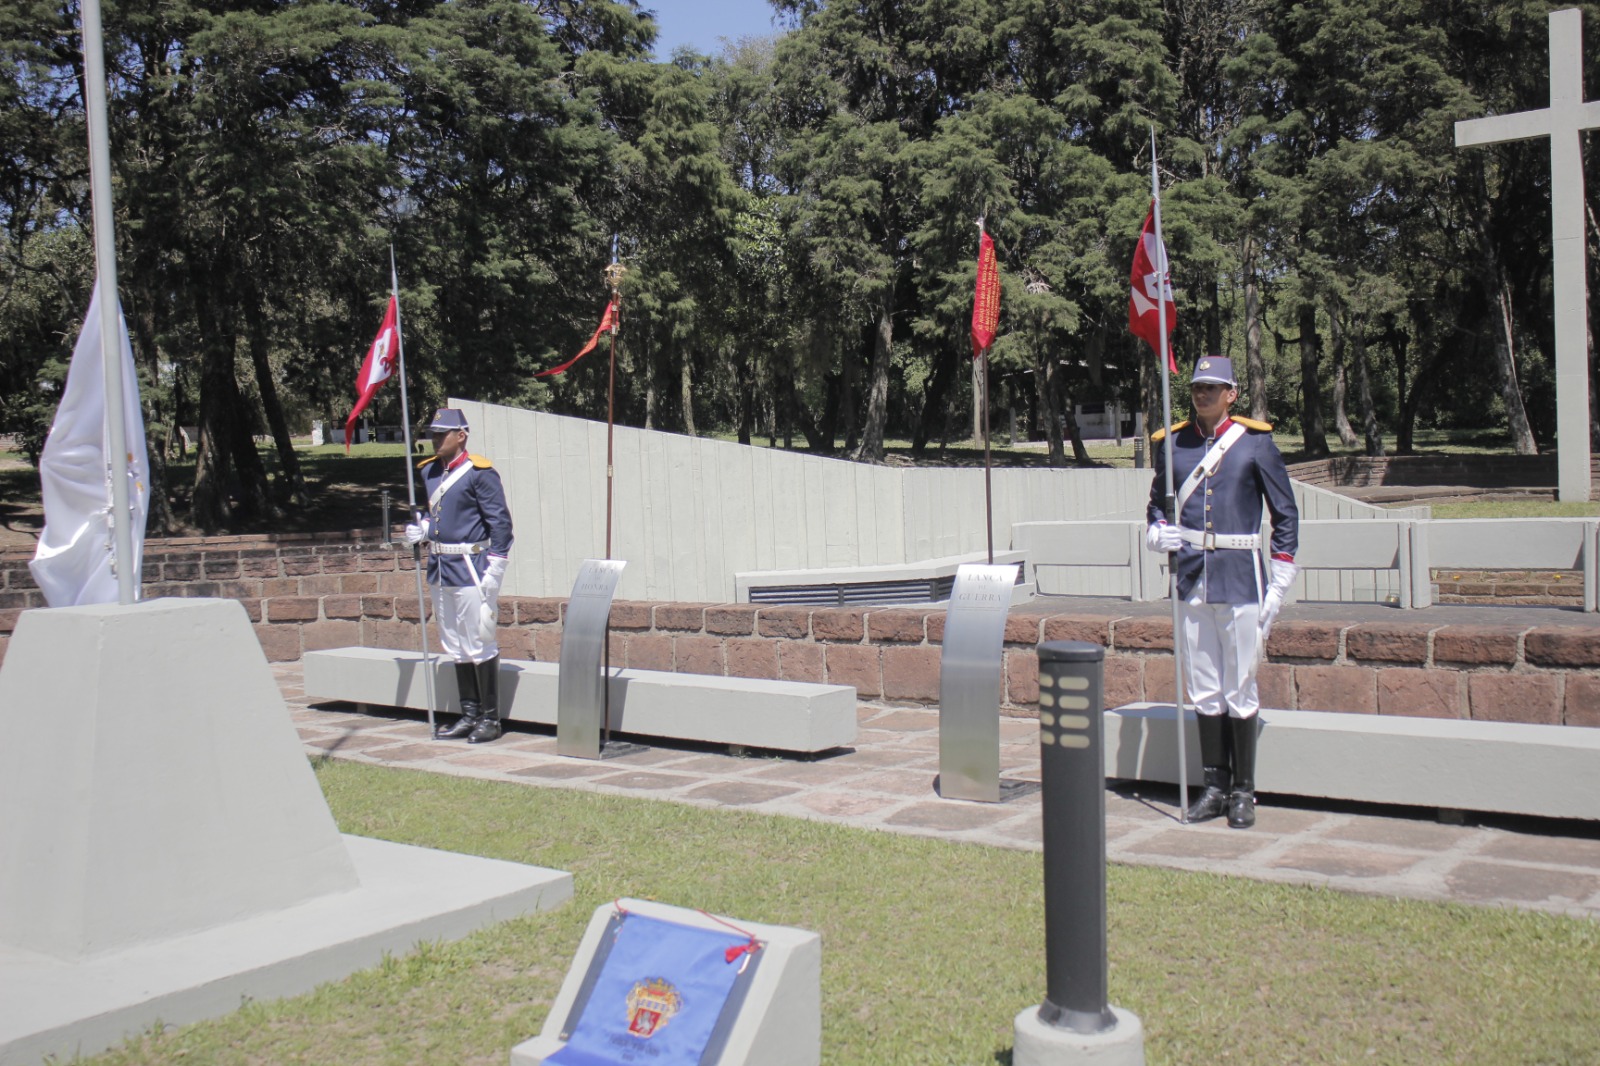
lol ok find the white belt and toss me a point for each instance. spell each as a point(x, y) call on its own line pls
point(460, 549)
point(1211, 541)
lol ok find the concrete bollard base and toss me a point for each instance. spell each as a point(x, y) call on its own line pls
point(1038, 1044)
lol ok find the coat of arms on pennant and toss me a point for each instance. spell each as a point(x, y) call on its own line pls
point(651, 1005)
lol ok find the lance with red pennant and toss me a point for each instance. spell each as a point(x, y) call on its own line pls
point(1152, 314)
point(608, 321)
point(985, 319)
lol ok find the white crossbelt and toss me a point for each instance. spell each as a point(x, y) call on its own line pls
point(460, 549)
point(1211, 541)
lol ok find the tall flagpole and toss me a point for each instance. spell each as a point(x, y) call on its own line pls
point(988, 467)
point(411, 491)
point(614, 274)
point(1179, 700)
point(105, 258)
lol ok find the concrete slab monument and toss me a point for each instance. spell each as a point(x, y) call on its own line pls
point(166, 851)
point(1563, 122)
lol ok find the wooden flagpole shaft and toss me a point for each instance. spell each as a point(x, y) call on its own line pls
point(988, 484)
point(411, 491)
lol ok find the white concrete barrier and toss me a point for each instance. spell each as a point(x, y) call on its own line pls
point(1448, 763)
point(748, 712)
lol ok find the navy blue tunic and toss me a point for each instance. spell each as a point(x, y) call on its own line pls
point(1229, 501)
point(473, 510)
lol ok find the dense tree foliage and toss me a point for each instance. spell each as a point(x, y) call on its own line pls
point(797, 214)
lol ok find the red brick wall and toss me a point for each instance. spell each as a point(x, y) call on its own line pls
point(310, 594)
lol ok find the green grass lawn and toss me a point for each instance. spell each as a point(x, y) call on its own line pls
point(929, 948)
point(1515, 509)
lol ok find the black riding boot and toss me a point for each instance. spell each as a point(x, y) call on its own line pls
point(1242, 803)
point(1213, 757)
point(488, 724)
point(467, 687)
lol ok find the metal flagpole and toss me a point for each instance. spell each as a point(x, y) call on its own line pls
point(614, 274)
point(411, 491)
point(105, 258)
point(1179, 700)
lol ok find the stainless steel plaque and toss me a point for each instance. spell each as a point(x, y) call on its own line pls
point(581, 684)
point(969, 682)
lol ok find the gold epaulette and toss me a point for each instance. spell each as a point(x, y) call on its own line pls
point(1160, 434)
point(480, 462)
point(425, 462)
point(1250, 423)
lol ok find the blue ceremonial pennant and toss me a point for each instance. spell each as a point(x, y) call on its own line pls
point(658, 997)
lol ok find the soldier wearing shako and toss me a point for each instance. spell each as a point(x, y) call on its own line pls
point(468, 531)
point(1228, 593)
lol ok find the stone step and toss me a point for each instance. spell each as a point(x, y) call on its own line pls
point(747, 712)
point(1448, 763)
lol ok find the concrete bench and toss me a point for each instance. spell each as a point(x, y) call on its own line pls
point(1448, 763)
point(744, 712)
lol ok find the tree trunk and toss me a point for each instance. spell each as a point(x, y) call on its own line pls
point(647, 367)
point(1080, 454)
point(1370, 429)
point(1213, 318)
point(1312, 431)
point(935, 400)
point(686, 391)
point(1047, 372)
point(871, 448)
point(1341, 421)
point(255, 323)
point(747, 398)
point(1502, 330)
point(1255, 365)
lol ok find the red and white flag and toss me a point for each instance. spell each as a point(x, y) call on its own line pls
point(986, 297)
point(378, 367)
point(608, 320)
point(1151, 286)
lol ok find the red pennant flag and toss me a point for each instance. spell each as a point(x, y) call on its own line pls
point(1151, 281)
point(377, 368)
point(986, 298)
point(607, 321)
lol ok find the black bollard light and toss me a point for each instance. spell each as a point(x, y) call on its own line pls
point(1072, 770)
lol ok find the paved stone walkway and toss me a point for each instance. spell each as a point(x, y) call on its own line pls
point(886, 782)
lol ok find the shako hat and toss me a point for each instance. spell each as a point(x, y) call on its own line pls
point(1214, 370)
point(447, 418)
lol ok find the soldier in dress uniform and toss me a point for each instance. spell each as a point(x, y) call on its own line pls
point(468, 530)
point(1224, 468)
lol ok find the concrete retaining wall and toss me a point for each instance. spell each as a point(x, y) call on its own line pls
point(690, 513)
point(309, 595)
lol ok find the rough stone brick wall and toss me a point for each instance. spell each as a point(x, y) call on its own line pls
point(308, 593)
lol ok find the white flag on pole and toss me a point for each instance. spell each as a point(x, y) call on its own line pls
point(75, 561)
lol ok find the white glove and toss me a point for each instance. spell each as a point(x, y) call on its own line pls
point(494, 575)
point(417, 532)
point(1161, 537)
point(1282, 577)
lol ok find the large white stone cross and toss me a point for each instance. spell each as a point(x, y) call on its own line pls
point(1563, 122)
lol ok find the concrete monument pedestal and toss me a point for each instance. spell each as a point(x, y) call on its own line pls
point(167, 852)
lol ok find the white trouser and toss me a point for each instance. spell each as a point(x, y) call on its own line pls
point(459, 614)
point(1220, 648)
